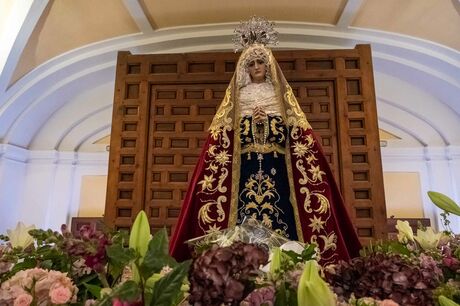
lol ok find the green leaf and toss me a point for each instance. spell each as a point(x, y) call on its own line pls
point(280, 296)
point(168, 287)
point(149, 284)
point(159, 243)
point(399, 248)
point(95, 290)
point(119, 257)
point(309, 252)
point(157, 255)
point(28, 263)
point(128, 291)
point(292, 297)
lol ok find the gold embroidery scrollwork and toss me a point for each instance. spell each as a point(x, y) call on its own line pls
point(205, 210)
point(277, 128)
point(307, 201)
point(295, 116)
point(222, 122)
point(218, 160)
point(315, 203)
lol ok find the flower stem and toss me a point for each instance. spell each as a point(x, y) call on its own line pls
point(103, 280)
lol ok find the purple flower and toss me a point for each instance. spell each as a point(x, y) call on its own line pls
point(264, 295)
point(222, 274)
point(387, 276)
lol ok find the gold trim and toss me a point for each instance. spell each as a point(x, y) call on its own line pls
point(293, 197)
point(260, 148)
point(236, 165)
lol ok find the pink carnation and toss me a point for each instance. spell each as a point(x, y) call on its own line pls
point(23, 299)
point(60, 295)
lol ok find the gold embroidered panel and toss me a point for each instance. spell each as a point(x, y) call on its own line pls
point(164, 104)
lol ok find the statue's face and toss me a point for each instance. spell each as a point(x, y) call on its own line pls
point(257, 69)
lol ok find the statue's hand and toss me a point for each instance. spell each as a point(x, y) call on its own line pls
point(259, 114)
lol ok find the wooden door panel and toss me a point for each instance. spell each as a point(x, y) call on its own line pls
point(180, 117)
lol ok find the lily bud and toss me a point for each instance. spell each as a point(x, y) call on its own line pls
point(313, 290)
point(443, 301)
point(139, 240)
point(444, 202)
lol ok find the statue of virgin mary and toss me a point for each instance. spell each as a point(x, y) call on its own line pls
point(261, 161)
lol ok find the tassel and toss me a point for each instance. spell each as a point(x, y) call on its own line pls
point(275, 154)
point(249, 155)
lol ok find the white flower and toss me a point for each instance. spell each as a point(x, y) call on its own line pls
point(294, 246)
point(428, 239)
point(405, 233)
point(19, 237)
point(165, 270)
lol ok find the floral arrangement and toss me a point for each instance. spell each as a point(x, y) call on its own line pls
point(39, 287)
point(99, 268)
point(235, 267)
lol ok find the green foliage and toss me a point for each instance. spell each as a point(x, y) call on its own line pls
point(128, 291)
point(448, 290)
point(47, 254)
point(389, 246)
point(157, 255)
point(96, 263)
point(119, 257)
point(308, 253)
point(95, 290)
point(285, 295)
point(167, 288)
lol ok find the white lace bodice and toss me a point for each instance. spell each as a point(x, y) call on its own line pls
point(259, 94)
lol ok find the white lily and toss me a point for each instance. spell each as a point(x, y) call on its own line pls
point(428, 239)
point(405, 233)
point(19, 237)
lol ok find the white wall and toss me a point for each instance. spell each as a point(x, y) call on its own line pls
point(45, 188)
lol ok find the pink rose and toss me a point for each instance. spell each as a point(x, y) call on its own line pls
point(23, 299)
point(388, 303)
point(60, 295)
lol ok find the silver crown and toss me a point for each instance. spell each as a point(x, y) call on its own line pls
point(257, 30)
